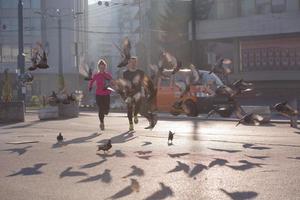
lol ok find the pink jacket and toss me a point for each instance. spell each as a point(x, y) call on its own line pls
point(100, 82)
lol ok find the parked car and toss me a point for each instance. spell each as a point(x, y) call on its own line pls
point(200, 99)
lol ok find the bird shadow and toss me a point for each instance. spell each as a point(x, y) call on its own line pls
point(94, 164)
point(117, 153)
point(144, 157)
point(76, 140)
point(246, 165)
point(180, 167)
point(178, 155)
point(105, 177)
point(163, 193)
point(122, 138)
point(146, 143)
point(19, 151)
point(29, 171)
point(240, 195)
point(258, 157)
point(68, 172)
point(136, 171)
point(251, 146)
point(297, 132)
point(143, 152)
point(295, 158)
point(198, 168)
point(225, 150)
point(128, 190)
point(217, 162)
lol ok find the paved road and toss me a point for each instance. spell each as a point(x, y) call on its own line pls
point(208, 160)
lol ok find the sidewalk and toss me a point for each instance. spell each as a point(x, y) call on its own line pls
point(165, 115)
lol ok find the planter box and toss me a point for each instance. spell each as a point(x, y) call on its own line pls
point(68, 110)
point(12, 111)
point(50, 112)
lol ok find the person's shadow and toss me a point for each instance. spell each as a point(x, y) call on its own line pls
point(122, 138)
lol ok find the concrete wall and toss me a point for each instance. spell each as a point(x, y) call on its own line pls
point(256, 25)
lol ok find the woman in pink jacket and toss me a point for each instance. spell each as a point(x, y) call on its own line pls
point(102, 93)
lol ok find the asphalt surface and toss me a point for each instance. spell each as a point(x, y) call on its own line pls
point(207, 160)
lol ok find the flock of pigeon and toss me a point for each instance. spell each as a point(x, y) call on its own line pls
point(63, 97)
point(107, 146)
point(168, 62)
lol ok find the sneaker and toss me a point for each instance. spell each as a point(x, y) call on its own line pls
point(102, 126)
point(131, 127)
point(136, 120)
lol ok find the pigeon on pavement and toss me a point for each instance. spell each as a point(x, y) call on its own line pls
point(105, 147)
point(60, 138)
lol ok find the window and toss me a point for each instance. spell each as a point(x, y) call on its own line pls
point(263, 6)
point(278, 6)
point(8, 54)
point(247, 7)
point(36, 4)
point(32, 4)
point(226, 9)
point(9, 3)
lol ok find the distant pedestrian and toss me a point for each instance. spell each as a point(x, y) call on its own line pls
point(102, 93)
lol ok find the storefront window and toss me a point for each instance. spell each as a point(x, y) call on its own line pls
point(270, 55)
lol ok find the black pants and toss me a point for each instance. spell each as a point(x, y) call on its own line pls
point(103, 102)
point(142, 107)
point(133, 109)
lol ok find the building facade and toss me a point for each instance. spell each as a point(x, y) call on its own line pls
point(262, 37)
point(41, 24)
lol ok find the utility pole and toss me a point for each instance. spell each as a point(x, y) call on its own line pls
point(21, 58)
point(61, 80)
point(193, 27)
point(60, 61)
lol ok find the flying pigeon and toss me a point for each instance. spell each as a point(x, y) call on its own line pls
point(224, 90)
point(285, 109)
point(170, 137)
point(38, 60)
point(43, 61)
point(125, 52)
point(60, 138)
point(222, 110)
point(241, 86)
point(251, 119)
point(105, 147)
point(221, 67)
